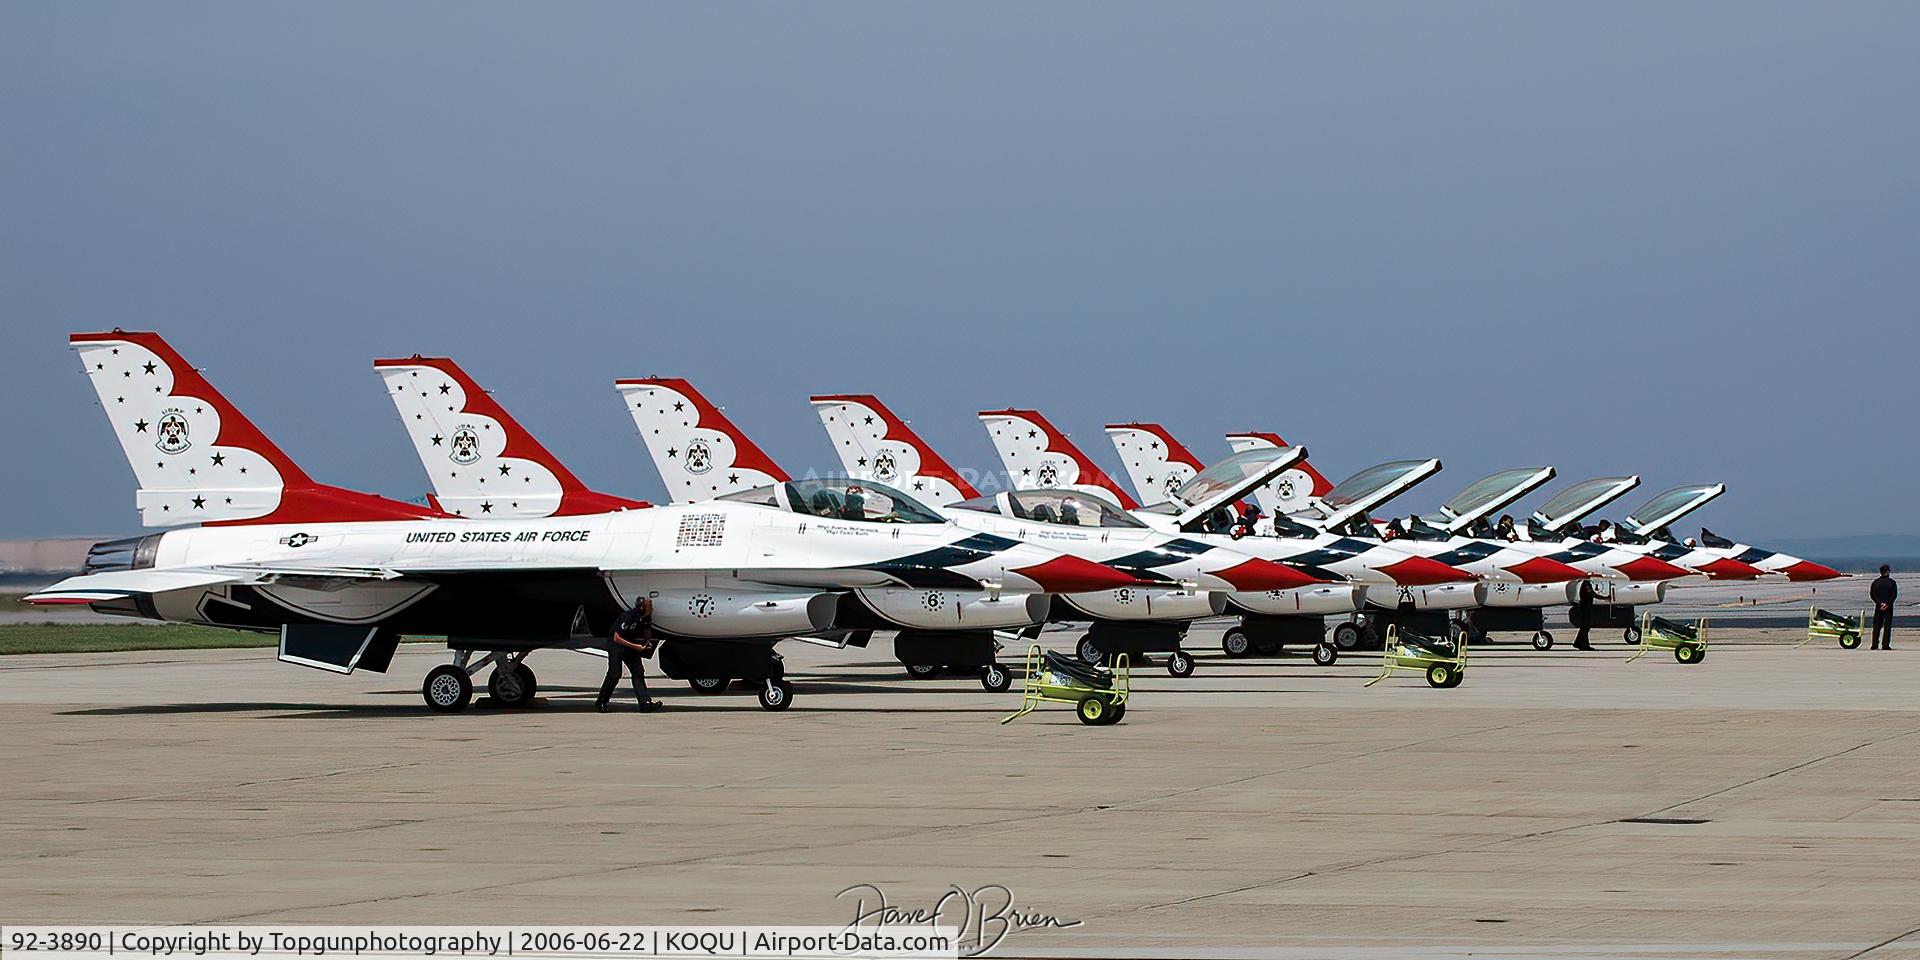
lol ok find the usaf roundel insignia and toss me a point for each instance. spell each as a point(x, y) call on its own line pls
point(699, 459)
point(465, 448)
point(173, 432)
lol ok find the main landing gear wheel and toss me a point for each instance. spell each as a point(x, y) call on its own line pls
point(711, 686)
point(512, 685)
point(923, 671)
point(1234, 643)
point(1324, 654)
point(1088, 651)
point(1689, 654)
point(1849, 641)
point(1269, 648)
point(1095, 712)
point(447, 689)
point(1632, 635)
point(1346, 636)
point(1442, 676)
point(1180, 664)
point(995, 678)
point(1543, 641)
point(776, 695)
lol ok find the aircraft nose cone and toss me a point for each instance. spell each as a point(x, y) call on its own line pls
point(1727, 568)
point(1808, 570)
point(1545, 570)
point(1422, 572)
point(1258, 574)
point(1064, 574)
point(1641, 569)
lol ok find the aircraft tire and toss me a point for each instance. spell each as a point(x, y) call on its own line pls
point(995, 678)
point(1180, 664)
point(1543, 640)
point(1346, 636)
point(1088, 652)
point(447, 689)
point(710, 686)
point(1234, 643)
point(776, 695)
point(512, 685)
point(923, 671)
point(1324, 654)
point(1632, 635)
point(1269, 648)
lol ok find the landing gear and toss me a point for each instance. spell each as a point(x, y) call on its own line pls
point(1269, 648)
point(1543, 640)
point(1632, 635)
point(1324, 654)
point(710, 686)
point(447, 689)
point(776, 695)
point(1180, 664)
point(1088, 651)
point(511, 684)
point(1346, 636)
point(923, 671)
point(995, 678)
point(1234, 643)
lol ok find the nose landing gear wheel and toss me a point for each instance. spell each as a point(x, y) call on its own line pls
point(1543, 641)
point(1632, 635)
point(1180, 664)
point(711, 686)
point(512, 686)
point(447, 689)
point(1234, 643)
point(1324, 654)
point(776, 695)
point(995, 678)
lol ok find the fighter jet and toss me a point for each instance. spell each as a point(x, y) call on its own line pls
point(702, 454)
point(341, 576)
point(1558, 522)
point(495, 466)
point(1650, 526)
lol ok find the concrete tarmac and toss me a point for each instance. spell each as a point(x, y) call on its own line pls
point(1764, 803)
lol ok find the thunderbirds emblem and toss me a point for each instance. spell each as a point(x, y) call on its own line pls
point(466, 446)
point(173, 432)
point(699, 459)
point(884, 468)
point(1049, 475)
point(1173, 483)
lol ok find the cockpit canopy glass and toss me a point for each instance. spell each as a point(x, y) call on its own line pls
point(1576, 498)
point(1078, 508)
point(842, 498)
point(1370, 481)
point(1488, 490)
point(1666, 503)
point(1230, 474)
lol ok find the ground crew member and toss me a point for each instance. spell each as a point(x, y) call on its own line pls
point(1884, 590)
point(630, 644)
point(1585, 610)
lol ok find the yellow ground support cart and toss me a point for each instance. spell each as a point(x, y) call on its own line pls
point(1442, 659)
point(1825, 624)
point(1098, 694)
point(1688, 641)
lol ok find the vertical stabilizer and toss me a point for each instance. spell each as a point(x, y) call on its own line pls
point(699, 452)
point(1290, 492)
point(1037, 455)
point(873, 444)
point(1156, 463)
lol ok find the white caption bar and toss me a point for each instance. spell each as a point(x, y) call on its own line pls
point(53, 942)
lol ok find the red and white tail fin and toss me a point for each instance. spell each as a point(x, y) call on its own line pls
point(196, 457)
point(699, 452)
point(1037, 455)
point(873, 444)
point(1157, 464)
point(480, 461)
point(1290, 492)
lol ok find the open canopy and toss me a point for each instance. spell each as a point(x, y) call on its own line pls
point(1231, 479)
point(1668, 507)
point(1576, 502)
point(1486, 495)
point(1074, 508)
point(1360, 493)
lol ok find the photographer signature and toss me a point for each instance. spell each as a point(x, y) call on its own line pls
point(983, 915)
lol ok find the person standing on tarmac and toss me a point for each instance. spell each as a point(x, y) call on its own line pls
point(1883, 593)
point(630, 644)
point(1584, 609)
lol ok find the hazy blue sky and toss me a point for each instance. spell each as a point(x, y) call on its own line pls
point(1679, 239)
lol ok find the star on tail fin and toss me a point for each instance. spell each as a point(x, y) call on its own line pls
point(197, 458)
point(480, 461)
point(699, 452)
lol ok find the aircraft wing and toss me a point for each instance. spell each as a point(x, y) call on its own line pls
point(119, 584)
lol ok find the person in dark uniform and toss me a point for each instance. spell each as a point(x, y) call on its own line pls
point(1504, 529)
point(1883, 593)
point(630, 644)
point(1585, 609)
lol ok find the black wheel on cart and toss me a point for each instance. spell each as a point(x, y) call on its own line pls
point(1542, 640)
point(1180, 663)
point(776, 695)
point(1458, 677)
point(1324, 654)
point(1849, 641)
point(447, 689)
point(1689, 654)
point(995, 678)
point(1115, 712)
point(1092, 711)
point(1234, 643)
point(1440, 675)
